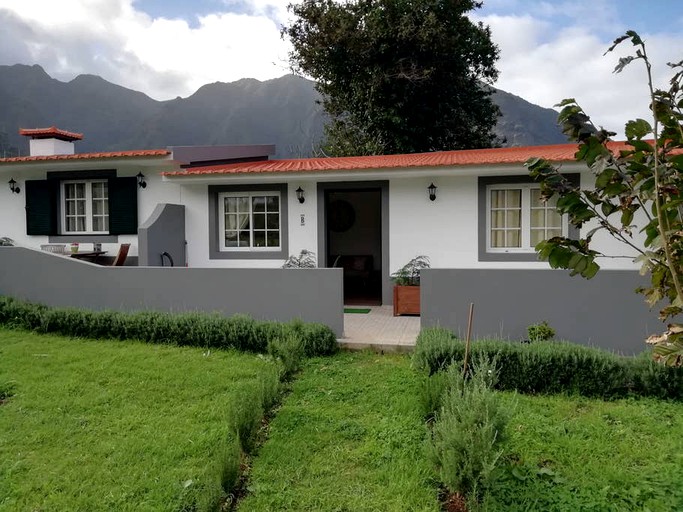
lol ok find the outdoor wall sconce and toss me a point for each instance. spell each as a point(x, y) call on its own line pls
point(13, 186)
point(300, 195)
point(141, 180)
point(432, 192)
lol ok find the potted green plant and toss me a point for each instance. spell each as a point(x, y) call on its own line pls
point(407, 286)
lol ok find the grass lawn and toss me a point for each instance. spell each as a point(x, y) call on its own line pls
point(573, 453)
point(348, 437)
point(95, 425)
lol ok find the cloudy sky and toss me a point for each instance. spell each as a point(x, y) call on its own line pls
point(550, 50)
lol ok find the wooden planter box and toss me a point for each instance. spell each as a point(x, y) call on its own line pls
point(406, 300)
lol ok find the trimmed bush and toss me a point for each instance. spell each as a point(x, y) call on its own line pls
point(555, 367)
point(190, 329)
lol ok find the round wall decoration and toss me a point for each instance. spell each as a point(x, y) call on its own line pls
point(340, 216)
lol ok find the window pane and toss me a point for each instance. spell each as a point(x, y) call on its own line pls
point(513, 238)
point(244, 239)
point(106, 223)
point(537, 218)
point(80, 223)
point(273, 203)
point(244, 221)
point(259, 238)
point(230, 204)
point(98, 190)
point(259, 221)
point(230, 221)
point(553, 218)
point(550, 233)
point(498, 219)
point(80, 190)
point(97, 207)
point(513, 219)
point(535, 197)
point(98, 224)
point(259, 203)
point(513, 198)
point(273, 221)
point(537, 235)
point(71, 224)
point(70, 208)
point(497, 238)
point(497, 198)
point(273, 238)
point(231, 238)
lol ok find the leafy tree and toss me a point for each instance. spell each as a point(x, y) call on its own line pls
point(397, 76)
point(643, 183)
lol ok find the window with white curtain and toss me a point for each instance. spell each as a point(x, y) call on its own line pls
point(517, 218)
point(249, 221)
point(85, 207)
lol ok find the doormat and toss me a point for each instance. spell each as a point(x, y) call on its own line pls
point(357, 310)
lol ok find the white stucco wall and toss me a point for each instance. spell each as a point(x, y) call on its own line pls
point(43, 147)
point(446, 230)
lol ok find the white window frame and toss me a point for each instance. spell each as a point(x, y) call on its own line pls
point(221, 221)
point(525, 221)
point(88, 207)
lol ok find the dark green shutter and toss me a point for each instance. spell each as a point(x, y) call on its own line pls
point(41, 207)
point(123, 206)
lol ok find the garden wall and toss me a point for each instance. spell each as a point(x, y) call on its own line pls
point(313, 295)
point(604, 311)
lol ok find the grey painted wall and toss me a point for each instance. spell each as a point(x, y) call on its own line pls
point(314, 295)
point(164, 231)
point(604, 311)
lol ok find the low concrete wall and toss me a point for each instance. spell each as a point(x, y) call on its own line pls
point(164, 231)
point(314, 295)
point(604, 311)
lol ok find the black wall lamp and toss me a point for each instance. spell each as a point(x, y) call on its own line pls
point(141, 180)
point(432, 192)
point(13, 186)
point(300, 195)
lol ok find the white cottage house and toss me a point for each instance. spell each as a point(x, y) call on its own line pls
point(233, 207)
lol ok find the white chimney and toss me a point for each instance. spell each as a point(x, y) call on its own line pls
point(50, 141)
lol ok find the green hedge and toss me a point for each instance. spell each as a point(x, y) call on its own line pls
point(555, 367)
point(190, 329)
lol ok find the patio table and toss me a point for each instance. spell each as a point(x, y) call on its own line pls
point(88, 255)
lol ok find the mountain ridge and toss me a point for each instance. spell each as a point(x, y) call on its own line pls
point(283, 111)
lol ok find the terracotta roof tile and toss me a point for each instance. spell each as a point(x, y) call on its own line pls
point(513, 155)
point(52, 131)
point(88, 156)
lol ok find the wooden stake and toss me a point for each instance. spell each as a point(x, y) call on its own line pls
point(467, 340)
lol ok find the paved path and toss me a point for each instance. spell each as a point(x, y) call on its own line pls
point(380, 330)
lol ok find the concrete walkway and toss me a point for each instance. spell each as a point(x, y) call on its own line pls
point(379, 330)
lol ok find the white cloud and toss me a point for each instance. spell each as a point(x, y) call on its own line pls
point(164, 58)
point(545, 65)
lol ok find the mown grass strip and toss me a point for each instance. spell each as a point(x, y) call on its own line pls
point(95, 425)
point(575, 453)
point(348, 437)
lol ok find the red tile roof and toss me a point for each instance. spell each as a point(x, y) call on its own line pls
point(513, 155)
point(51, 132)
point(88, 156)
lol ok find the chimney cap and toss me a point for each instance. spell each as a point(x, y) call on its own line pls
point(50, 133)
